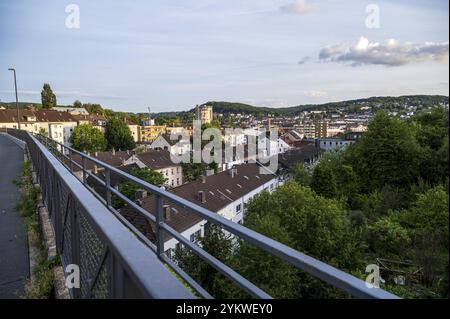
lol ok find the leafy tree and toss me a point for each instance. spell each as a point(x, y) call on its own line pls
point(271, 274)
point(311, 224)
point(87, 138)
point(218, 244)
point(433, 138)
point(388, 153)
point(118, 135)
point(428, 224)
point(324, 181)
point(95, 109)
point(77, 104)
point(129, 189)
point(48, 98)
point(301, 175)
point(387, 237)
point(193, 171)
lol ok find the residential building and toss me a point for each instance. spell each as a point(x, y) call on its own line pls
point(71, 110)
point(307, 130)
point(160, 161)
point(335, 143)
point(321, 129)
point(205, 114)
point(226, 194)
point(149, 133)
point(59, 125)
point(176, 147)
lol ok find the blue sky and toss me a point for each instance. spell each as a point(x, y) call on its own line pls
point(171, 55)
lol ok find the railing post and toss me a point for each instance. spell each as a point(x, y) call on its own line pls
point(83, 163)
point(108, 187)
point(159, 222)
point(70, 160)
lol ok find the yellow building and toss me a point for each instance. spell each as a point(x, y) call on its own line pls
point(321, 129)
point(149, 133)
point(205, 114)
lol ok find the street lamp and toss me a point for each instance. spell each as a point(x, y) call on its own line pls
point(17, 99)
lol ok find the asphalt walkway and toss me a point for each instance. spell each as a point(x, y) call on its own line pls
point(14, 265)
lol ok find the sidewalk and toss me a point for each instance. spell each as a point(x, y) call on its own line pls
point(14, 263)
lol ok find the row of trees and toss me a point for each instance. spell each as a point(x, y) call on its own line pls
point(385, 197)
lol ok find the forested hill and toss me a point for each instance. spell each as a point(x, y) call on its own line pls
point(391, 103)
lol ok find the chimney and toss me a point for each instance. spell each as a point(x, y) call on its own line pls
point(166, 211)
point(96, 154)
point(202, 196)
point(203, 179)
point(113, 151)
point(95, 169)
point(140, 194)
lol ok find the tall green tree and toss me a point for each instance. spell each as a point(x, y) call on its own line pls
point(48, 98)
point(87, 138)
point(118, 135)
point(387, 154)
point(77, 104)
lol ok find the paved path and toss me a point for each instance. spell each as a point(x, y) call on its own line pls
point(14, 265)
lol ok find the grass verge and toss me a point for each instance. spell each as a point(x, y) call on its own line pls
point(41, 287)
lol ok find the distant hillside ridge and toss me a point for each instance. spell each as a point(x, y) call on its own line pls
point(386, 102)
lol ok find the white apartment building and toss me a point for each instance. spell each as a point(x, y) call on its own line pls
point(225, 193)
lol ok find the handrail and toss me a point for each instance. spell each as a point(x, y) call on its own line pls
point(344, 281)
point(133, 269)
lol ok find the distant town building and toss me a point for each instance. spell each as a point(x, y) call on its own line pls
point(334, 143)
point(321, 129)
point(307, 130)
point(205, 114)
point(149, 133)
point(71, 110)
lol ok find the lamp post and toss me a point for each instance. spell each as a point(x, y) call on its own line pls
point(17, 99)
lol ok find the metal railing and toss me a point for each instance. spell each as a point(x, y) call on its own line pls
point(337, 278)
point(112, 262)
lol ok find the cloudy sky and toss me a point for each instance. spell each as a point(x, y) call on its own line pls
point(171, 55)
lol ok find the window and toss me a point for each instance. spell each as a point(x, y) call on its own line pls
point(238, 208)
point(195, 235)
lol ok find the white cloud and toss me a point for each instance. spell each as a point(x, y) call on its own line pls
point(389, 53)
point(299, 7)
point(315, 94)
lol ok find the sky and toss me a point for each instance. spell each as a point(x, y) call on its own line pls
point(172, 55)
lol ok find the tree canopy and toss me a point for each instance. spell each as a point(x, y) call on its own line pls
point(118, 135)
point(48, 98)
point(87, 138)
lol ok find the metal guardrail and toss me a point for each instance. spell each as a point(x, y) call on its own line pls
point(113, 263)
point(337, 278)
